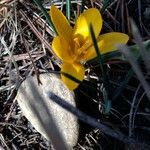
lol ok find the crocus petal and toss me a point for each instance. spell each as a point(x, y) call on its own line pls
point(62, 49)
point(91, 16)
point(60, 22)
point(76, 70)
point(107, 43)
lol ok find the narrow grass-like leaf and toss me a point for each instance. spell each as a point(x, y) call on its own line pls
point(71, 77)
point(107, 56)
point(104, 75)
point(138, 41)
point(136, 50)
point(116, 54)
point(126, 51)
point(105, 4)
point(123, 84)
point(39, 4)
point(136, 53)
point(82, 6)
point(98, 55)
point(76, 80)
point(68, 9)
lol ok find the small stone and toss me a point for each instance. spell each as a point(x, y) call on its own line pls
point(66, 122)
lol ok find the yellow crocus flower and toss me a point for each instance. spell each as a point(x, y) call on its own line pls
point(74, 45)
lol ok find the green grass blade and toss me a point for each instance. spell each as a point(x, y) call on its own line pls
point(71, 77)
point(99, 56)
point(105, 4)
point(39, 4)
point(136, 53)
point(68, 9)
point(104, 75)
point(107, 56)
point(82, 6)
point(78, 81)
point(119, 90)
point(116, 54)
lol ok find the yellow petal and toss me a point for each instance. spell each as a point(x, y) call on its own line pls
point(60, 22)
point(76, 70)
point(91, 16)
point(62, 49)
point(107, 43)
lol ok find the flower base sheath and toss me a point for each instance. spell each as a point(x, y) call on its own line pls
point(74, 45)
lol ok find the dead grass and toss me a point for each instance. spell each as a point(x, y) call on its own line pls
point(25, 49)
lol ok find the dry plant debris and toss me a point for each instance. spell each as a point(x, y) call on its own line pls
point(25, 49)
